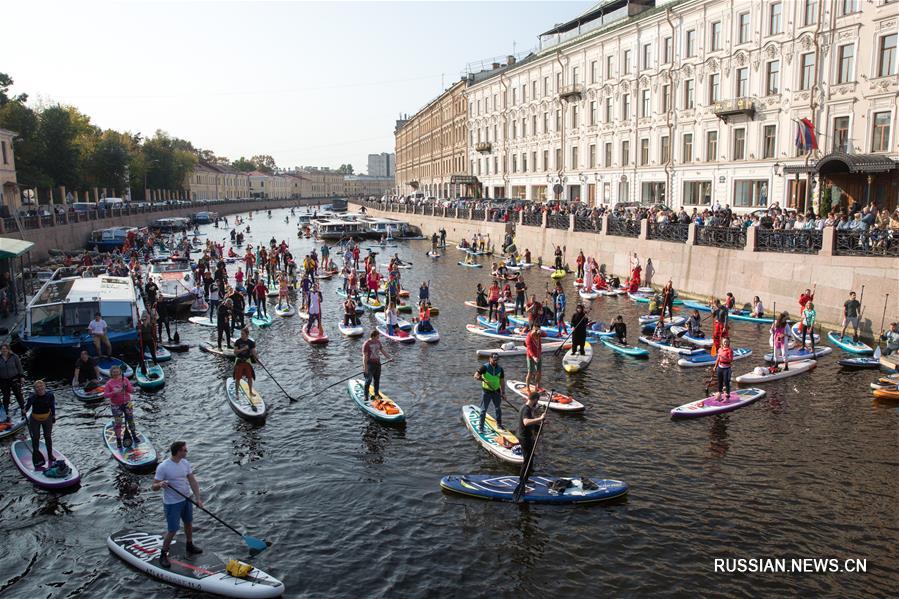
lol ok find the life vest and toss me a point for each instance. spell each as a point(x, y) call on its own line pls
point(490, 381)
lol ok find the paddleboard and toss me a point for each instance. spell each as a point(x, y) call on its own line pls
point(16, 421)
point(847, 344)
point(401, 323)
point(519, 350)
point(473, 328)
point(860, 362)
point(537, 489)
point(203, 321)
point(558, 274)
point(559, 401)
point(384, 410)
point(212, 348)
point(886, 382)
point(682, 334)
point(576, 362)
point(285, 311)
point(351, 331)
point(315, 336)
point(400, 335)
point(694, 305)
point(177, 347)
point(710, 406)
point(21, 456)
point(261, 320)
point(162, 354)
point(891, 394)
point(746, 316)
point(104, 365)
point(249, 407)
point(706, 359)
point(430, 337)
point(763, 375)
point(686, 351)
point(460, 263)
point(497, 441)
point(372, 305)
point(92, 394)
point(628, 350)
point(205, 572)
point(154, 379)
point(802, 353)
point(139, 455)
point(588, 295)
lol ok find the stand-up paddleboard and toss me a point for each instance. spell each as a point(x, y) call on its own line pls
point(316, 335)
point(649, 327)
point(747, 316)
point(153, 379)
point(176, 347)
point(261, 320)
point(710, 405)
point(511, 349)
point(351, 330)
point(763, 374)
point(891, 394)
point(860, 363)
point(399, 335)
point(91, 394)
point(401, 323)
point(431, 336)
point(383, 410)
point(538, 489)
point(250, 310)
point(273, 291)
point(796, 332)
point(559, 401)
point(576, 362)
point(588, 295)
point(694, 305)
point(104, 365)
point(162, 354)
point(21, 456)
point(473, 304)
point(16, 421)
point(472, 265)
point(628, 350)
point(247, 406)
point(558, 274)
point(497, 441)
point(508, 336)
point(802, 353)
point(138, 455)
point(372, 305)
point(886, 382)
point(706, 359)
point(205, 572)
point(285, 311)
point(304, 314)
point(212, 348)
point(847, 344)
point(203, 321)
point(665, 346)
point(683, 334)
point(646, 319)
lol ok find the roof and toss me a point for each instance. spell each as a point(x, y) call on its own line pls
point(8, 132)
point(10, 248)
point(839, 162)
point(588, 15)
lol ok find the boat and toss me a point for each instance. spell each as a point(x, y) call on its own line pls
point(704, 358)
point(338, 229)
point(383, 410)
point(22, 458)
point(171, 225)
point(538, 489)
point(628, 350)
point(137, 454)
point(173, 277)
point(113, 238)
point(848, 344)
point(795, 355)
point(206, 573)
point(497, 441)
point(431, 336)
point(764, 374)
point(552, 399)
point(666, 346)
point(57, 316)
point(247, 406)
point(572, 363)
point(711, 406)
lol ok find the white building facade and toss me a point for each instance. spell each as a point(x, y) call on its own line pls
point(696, 102)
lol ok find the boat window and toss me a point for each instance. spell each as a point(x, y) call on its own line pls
point(76, 317)
point(117, 315)
point(45, 320)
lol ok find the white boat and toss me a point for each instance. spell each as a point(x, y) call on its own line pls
point(173, 277)
point(338, 229)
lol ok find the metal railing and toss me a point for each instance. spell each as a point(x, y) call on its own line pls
point(723, 237)
point(622, 227)
point(478, 214)
point(789, 241)
point(876, 242)
point(532, 219)
point(558, 221)
point(588, 224)
point(675, 232)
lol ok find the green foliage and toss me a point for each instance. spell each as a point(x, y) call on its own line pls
point(826, 201)
point(244, 165)
point(5, 83)
point(264, 163)
point(345, 169)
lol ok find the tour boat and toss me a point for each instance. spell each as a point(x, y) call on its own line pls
point(173, 277)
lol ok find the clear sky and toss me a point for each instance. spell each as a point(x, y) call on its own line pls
point(311, 83)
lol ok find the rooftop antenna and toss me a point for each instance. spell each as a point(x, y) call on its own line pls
point(441, 81)
point(513, 47)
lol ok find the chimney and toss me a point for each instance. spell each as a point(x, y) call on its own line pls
point(510, 59)
point(495, 65)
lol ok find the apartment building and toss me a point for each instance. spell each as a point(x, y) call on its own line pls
point(10, 200)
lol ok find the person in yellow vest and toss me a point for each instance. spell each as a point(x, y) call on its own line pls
point(493, 384)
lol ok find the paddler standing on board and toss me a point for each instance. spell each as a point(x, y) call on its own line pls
point(493, 384)
point(177, 473)
point(528, 424)
point(245, 354)
point(533, 344)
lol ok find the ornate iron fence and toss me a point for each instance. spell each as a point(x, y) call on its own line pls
point(622, 227)
point(478, 214)
point(588, 224)
point(558, 221)
point(867, 243)
point(676, 232)
point(790, 241)
point(723, 237)
point(533, 219)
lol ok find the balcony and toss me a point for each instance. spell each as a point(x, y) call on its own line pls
point(571, 93)
point(725, 109)
point(484, 147)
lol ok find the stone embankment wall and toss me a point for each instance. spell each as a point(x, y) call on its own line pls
point(74, 235)
point(704, 272)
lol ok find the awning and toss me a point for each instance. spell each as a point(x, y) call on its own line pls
point(10, 248)
point(840, 162)
point(464, 180)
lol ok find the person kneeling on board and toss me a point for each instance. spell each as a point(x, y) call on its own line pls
point(176, 473)
point(620, 330)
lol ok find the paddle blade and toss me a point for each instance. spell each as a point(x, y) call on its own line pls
point(877, 353)
point(254, 543)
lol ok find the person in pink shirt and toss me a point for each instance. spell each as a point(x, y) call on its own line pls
point(373, 280)
point(118, 390)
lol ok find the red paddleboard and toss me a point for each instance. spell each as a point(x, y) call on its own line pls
point(316, 335)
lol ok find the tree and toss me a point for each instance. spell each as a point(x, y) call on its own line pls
point(264, 163)
point(5, 83)
point(168, 161)
point(109, 162)
point(17, 117)
point(244, 165)
point(345, 169)
point(61, 145)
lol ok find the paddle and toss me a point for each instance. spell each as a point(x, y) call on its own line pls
point(251, 541)
point(877, 351)
point(861, 311)
point(275, 381)
point(336, 383)
point(522, 482)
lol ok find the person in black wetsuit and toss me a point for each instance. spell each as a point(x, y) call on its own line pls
point(223, 323)
point(528, 425)
point(163, 310)
point(147, 341)
point(579, 322)
point(86, 374)
point(42, 404)
point(481, 297)
point(620, 329)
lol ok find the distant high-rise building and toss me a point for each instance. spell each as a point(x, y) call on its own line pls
point(382, 165)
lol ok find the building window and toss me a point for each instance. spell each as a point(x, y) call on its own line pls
point(647, 56)
point(772, 80)
point(711, 146)
point(739, 144)
point(666, 51)
point(715, 36)
point(3, 146)
point(666, 97)
point(534, 125)
point(625, 107)
point(845, 63)
point(514, 163)
point(688, 94)
point(593, 114)
point(652, 192)
point(624, 190)
point(524, 127)
point(558, 82)
point(574, 163)
point(575, 79)
point(714, 87)
point(609, 61)
point(593, 73)
point(886, 61)
point(524, 93)
point(608, 110)
point(743, 32)
point(592, 155)
point(664, 149)
point(645, 106)
point(534, 161)
point(574, 120)
point(697, 193)
point(625, 153)
point(545, 160)
point(534, 90)
point(514, 96)
point(769, 141)
point(687, 154)
point(690, 43)
point(644, 151)
point(546, 122)
point(524, 163)
point(880, 133)
point(626, 62)
point(807, 70)
point(514, 129)
point(750, 193)
point(775, 12)
point(546, 86)
point(848, 7)
point(742, 80)
point(559, 164)
point(810, 14)
point(607, 155)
